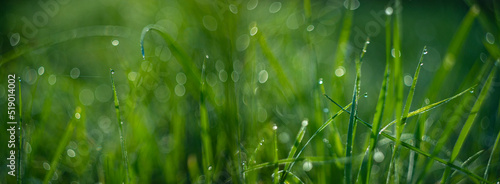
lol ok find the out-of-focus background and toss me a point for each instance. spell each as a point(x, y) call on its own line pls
point(262, 62)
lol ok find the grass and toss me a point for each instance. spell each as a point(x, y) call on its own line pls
point(234, 92)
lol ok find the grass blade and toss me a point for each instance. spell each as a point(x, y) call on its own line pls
point(273, 61)
point(431, 106)
point(120, 125)
point(60, 149)
point(468, 124)
point(276, 165)
point(467, 162)
point(415, 149)
point(352, 120)
point(205, 132)
point(377, 122)
point(328, 122)
point(295, 145)
point(401, 123)
point(494, 152)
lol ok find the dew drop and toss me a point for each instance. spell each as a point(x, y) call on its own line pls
point(388, 11)
point(115, 43)
point(367, 41)
point(421, 64)
point(112, 71)
point(206, 56)
point(471, 91)
point(425, 51)
point(305, 122)
point(121, 122)
point(275, 127)
point(364, 50)
point(209, 168)
point(320, 81)
point(366, 95)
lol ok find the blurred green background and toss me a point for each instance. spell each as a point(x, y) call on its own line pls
point(63, 51)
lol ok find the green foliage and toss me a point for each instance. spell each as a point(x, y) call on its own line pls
point(197, 86)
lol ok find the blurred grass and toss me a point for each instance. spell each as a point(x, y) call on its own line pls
point(214, 76)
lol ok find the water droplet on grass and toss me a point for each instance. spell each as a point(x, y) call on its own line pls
point(209, 168)
point(366, 95)
point(388, 11)
point(71, 153)
point(320, 81)
point(421, 64)
point(254, 31)
point(115, 42)
point(112, 71)
point(305, 122)
point(425, 51)
point(307, 166)
point(275, 127)
point(41, 70)
point(340, 71)
point(263, 76)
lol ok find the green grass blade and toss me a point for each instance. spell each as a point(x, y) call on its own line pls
point(467, 162)
point(273, 61)
point(328, 122)
point(276, 178)
point(295, 145)
point(59, 150)
point(377, 122)
point(295, 178)
point(468, 124)
point(431, 106)
point(418, 150)
point(454, 48)
point(401, 123)
point(352, 121)
point(120, 125)
point(493, 156)
point(181, 55)
point(84, 32)
point(205, 132)
point(294, 160)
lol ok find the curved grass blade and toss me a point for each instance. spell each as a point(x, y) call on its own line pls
point(120, 125)
point(455, 118)
point(401, 123)
point(310, 159)
point(295, 145)
point(295, 178)
point(183, 58)
point(468, 124)
point(328, 122)
point(91, 31)
point(60, 149)
point(494, 152)
point(430, 107)
point(467, 162)
point(418, 150)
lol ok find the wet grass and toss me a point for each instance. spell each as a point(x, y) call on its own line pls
point(234, 93)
